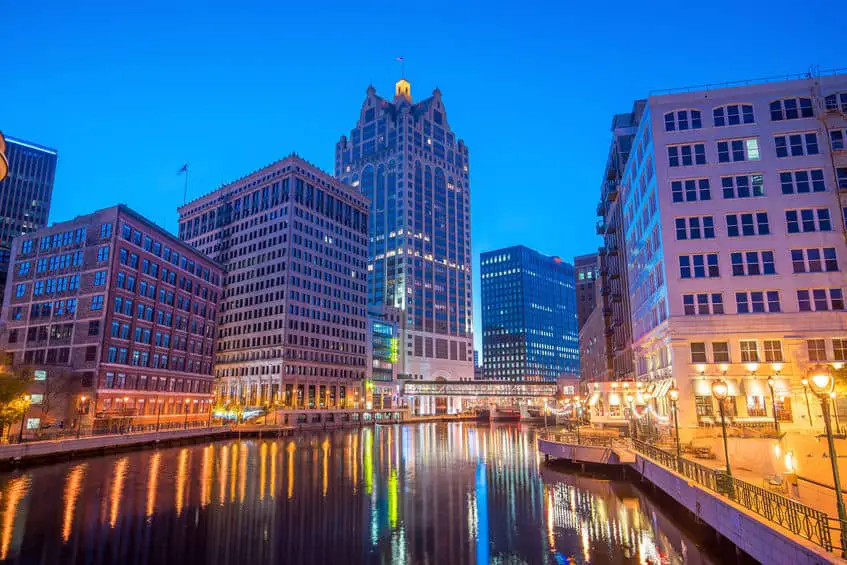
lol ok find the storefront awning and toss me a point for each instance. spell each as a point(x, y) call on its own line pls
point(662, 387)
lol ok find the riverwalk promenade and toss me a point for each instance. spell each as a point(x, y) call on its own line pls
point(768, 526)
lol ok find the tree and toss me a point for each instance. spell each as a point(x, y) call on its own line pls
point(13, 388)
point(56, 390)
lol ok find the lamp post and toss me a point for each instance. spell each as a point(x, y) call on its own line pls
point(674, 396)
point(187, 406)
point(822, 384)
point(835, 411)
point(720, 391)
point(631, 401)
point(123, 419)
point(158, 412)
point(79, 413)
point(805, 383)
point(772, 385)
point(26, 398)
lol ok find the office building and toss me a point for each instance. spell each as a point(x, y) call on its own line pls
point(383, 389)
point(529, 318)
point(732, 197)
point(293, 315)
point(586, 268)
point(406, 159)
point(25, 194)
point(116, 317)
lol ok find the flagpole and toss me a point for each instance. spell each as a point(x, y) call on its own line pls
point(185, 189)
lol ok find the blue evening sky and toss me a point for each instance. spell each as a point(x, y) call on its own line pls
point(128, 93)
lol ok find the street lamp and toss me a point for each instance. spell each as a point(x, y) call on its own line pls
point(123, 423)
point(187, 405)
point(631, 401)
point(720, 391)
point(26, 398)
point(822, 384)
point(805, 383)
point(79, 413)
point(674, 395)
point(158, 412)
point(772, 386)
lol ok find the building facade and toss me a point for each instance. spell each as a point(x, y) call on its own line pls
point(586, 269)
point(735, 237)
point(529, 316)
point(293, 315)
point(25, 194)
point(405, 158)
point(383, 389)
point(116, 317)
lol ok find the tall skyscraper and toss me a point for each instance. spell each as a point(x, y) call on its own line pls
point(25, 194)
point(733, 210)
point(529, 316)
point(586, 278)
point(117, 319)
point(404, 157)
point(294, 321)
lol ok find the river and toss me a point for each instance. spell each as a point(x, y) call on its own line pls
point(417, 494)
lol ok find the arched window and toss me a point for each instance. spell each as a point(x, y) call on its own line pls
point(791, 109)
point(680, 120)
point(733, 115)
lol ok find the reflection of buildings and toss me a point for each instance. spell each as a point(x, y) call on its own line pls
point(529, 317)
point(25, 195)
point(117, 318)
point(293, 318)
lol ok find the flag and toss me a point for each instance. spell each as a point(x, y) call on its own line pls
point(401, 59)
point(183, 169)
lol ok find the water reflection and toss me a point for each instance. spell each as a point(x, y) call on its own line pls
point(432, 493)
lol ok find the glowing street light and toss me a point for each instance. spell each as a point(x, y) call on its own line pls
point(720, 390)
point(674, 396)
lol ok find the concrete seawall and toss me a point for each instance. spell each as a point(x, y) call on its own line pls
point(760, 538)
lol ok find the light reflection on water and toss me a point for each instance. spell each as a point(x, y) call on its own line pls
point(426, 493)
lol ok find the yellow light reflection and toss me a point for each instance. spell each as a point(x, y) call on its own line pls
point(274, 455)
point(368, 459)
point(291, 447)
point(234, 472)
point(242, 473)
point(206, 472)
point(392, 498)
point(15, 492)
point(73, 486)
point(118, 478)
point(325, 449)
point(181, 478)
point(263, 466)
point(355, 462)
point(152, 483)
point(222, 474)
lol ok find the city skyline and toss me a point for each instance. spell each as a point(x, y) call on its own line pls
point(175, 87)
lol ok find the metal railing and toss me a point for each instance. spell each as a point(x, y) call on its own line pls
point(801, 520)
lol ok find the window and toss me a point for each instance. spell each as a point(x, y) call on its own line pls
point(839, 349)
point(796, 144)
point(105, 230)
point(94, 327)
point(704, 405)
point(20, 290)
point(836, 102)
point(808, 220)
point(836, 138)
point(97, 302)
point(749, 351)
point(752, 263)
point(733, 150)
point(686, 155)
point(720, 352)
point(682, 120)
point(26, 246)
point(102, 254)
point(773, 351)
point(702, 304)
point(814, 260)
point(757, 301)
point(802, 182)
point(747, 224)
point(791, 109)
point(817, 349)
point(820, 299)
point(99, 278)
point(699, 266)
point(733, 115)
point(691, 190)
point(756, 406)
point(695, 227)
point(698, 352)
point(743, 186)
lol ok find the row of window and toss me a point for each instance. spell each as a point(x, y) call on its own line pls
point(737, 114)
point(771, 351)
point(763, 301)
point(753, 223)
point(745, 149)
point(752, 185)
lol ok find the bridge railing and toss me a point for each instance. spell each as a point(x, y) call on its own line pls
point(801, 520)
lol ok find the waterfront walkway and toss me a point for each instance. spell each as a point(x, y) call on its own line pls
point(770, 527)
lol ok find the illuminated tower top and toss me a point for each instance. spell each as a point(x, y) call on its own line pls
point(403, 89)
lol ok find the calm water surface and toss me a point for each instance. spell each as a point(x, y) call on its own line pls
point(426, 493)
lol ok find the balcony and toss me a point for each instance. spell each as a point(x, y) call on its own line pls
point(611, 190)
point(601, 227)
point(601, 208)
